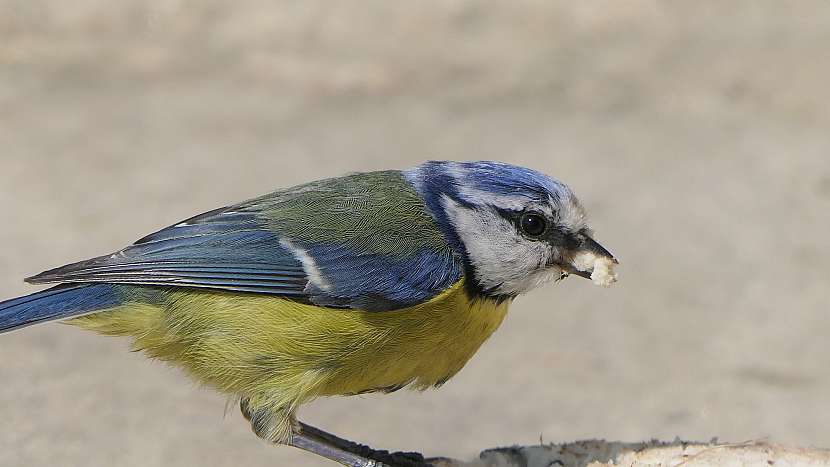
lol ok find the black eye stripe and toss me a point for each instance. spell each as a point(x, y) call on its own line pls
point(517, 217)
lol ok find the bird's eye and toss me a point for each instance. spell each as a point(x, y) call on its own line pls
point(533, 224)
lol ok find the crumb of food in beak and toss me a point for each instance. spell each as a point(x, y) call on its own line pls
point(604, 273)
point(602, 268)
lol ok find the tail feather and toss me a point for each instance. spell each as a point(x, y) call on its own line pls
point(61, 302)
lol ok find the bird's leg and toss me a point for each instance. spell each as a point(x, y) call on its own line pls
point(326, 444)
point(324, 448)
point(278, 427)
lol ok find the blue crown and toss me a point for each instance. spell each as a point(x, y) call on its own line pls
point(458, 179)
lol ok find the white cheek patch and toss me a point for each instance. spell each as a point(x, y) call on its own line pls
point(315, 277)
point(505, 261)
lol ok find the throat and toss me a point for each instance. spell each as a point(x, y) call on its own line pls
point(476, 291)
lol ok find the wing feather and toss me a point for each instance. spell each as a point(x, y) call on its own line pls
point(222, 249)
point(336, 243)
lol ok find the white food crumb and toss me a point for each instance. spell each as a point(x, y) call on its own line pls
point(604, 273)
point(602, 268)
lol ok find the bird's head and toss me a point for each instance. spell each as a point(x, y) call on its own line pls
point(514, 228)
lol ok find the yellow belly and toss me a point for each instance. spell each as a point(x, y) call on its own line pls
point(281, 353)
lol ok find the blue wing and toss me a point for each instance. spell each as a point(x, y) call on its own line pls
point(222, 249)
point(233, 249)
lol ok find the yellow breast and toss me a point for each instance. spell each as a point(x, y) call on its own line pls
point(289, 353)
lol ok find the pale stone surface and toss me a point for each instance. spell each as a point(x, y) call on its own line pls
point(598, 453)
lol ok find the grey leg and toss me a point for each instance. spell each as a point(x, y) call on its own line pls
point(322, 448)
point(324, 444)
point(375, 458)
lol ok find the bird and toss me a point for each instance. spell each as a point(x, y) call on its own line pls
point(369, 282)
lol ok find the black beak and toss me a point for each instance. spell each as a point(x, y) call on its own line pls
point(589, 244)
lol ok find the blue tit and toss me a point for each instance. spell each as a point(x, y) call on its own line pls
point(370, 282)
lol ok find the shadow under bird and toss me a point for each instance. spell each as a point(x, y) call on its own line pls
point(370, 282)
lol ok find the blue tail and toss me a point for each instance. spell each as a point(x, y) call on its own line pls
point(63, 301)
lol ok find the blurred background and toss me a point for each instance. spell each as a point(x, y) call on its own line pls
point(696, 133)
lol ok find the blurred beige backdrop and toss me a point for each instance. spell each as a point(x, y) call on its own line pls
point(695, 132)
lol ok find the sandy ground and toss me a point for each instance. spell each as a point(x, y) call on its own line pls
point(696, 133)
